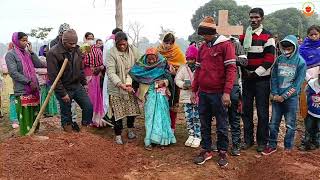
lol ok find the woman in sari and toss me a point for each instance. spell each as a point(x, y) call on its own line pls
point(21, 63)
point(152, 73)
point(93, 67)
point(52, 108)
point(175, 58)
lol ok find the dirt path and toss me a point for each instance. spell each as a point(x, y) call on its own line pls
point(94, 156)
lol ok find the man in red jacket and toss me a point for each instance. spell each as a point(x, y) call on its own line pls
point(214, 79)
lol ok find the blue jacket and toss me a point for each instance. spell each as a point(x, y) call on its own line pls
point(288, 73)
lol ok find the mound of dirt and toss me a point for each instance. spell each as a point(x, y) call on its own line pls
point(67, 156)
point(284, 165)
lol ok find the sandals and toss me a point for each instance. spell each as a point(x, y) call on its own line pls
point(148, 148)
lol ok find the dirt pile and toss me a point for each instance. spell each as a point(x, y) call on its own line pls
point(283, 165)
point(66, 156)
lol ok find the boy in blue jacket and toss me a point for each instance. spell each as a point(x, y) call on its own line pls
point(287, 77)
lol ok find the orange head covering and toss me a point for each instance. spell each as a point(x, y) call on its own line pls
point(152, 50)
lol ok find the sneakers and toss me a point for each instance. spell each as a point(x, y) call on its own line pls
point(118, 140)
point(189, 141)
point(268, 150)
point(223, 161)
point(235, 151)
point(131, 134)
point(203, 157)
point(196, 143)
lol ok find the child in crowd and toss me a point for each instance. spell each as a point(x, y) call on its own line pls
point(310, 51)
point(42, 76)
point(184, 80)
point(287, 77)
point(7, 91)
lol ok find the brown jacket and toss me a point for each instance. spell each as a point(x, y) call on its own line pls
point(73, 76)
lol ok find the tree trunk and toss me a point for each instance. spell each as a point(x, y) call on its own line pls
point(119, 16)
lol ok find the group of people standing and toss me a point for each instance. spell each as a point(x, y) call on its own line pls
point(220, 79)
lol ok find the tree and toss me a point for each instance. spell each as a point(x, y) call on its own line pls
point(238, 15)
point(163, 32)
point(133, 31)
point(40, 32)
point(119, 15)
point(289, 21)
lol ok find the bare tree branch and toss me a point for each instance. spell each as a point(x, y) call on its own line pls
point(134, 30)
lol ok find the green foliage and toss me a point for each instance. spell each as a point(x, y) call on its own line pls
point(237, 14)
point(40, 32)
point(282, 22)
point(286, 21)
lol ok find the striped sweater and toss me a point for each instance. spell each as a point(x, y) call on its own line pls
point(94, 58)
point(261, 55)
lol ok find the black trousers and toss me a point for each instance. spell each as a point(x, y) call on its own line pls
point(118, 125)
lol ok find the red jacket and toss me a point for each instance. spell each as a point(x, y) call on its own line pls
point(217, 71)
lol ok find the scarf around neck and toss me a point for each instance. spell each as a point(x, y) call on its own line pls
point(248, 37)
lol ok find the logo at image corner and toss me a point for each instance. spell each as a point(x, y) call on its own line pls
point(308, 8)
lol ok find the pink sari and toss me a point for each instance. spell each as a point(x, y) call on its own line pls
point(94, 59)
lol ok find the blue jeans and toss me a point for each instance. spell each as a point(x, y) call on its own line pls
point(234, 116)
point(82, 99)
point(312, 131)
point(210, 104)
point(260, 91)
point(288, 109)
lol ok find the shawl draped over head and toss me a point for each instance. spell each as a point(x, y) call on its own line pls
point(146, 74)
point(174, 55)
point(27, 64)
point(310, 51)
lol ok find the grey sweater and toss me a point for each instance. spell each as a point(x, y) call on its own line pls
point(15, 70)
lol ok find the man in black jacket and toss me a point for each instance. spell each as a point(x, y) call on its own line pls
point(72, 83)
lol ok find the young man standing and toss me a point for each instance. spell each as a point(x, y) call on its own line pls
point(259, 46)
point(214, 79)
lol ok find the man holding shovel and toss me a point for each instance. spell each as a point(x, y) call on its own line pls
point(72, 83)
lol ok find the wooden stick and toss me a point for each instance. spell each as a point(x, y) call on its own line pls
point(43, 107)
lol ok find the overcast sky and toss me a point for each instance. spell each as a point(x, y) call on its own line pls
point(22, 15)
